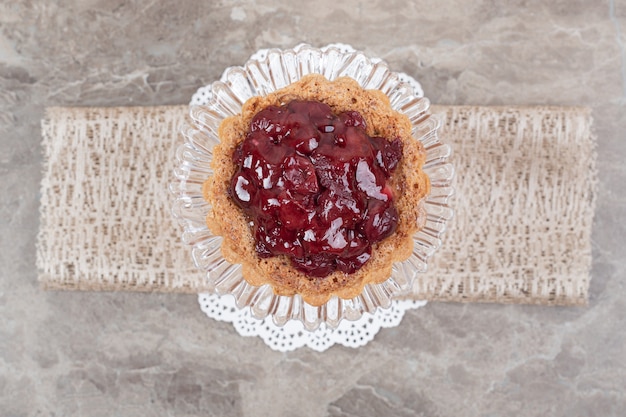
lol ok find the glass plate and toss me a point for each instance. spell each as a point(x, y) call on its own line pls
point(267, 71)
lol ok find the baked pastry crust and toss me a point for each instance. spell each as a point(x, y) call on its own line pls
point(409, 185)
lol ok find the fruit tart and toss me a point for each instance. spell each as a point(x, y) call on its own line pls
point(316, 188)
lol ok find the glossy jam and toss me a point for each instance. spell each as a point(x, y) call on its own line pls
point(313, 185)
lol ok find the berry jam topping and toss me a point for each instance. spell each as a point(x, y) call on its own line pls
point(314, 186)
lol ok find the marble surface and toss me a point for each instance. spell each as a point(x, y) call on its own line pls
point(120, 354)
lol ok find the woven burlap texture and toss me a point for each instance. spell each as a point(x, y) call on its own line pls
point(523, 205)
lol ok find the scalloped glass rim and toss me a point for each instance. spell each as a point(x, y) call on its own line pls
point(267, 71)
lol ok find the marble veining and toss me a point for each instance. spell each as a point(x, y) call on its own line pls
point(103, 354)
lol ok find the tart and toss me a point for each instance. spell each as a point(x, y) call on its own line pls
point(316, 188)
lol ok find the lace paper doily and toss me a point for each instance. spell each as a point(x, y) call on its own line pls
point(293, 335)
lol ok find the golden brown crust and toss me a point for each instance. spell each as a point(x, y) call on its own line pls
point(409, 184)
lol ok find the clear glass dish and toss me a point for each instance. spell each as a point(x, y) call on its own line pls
point(266, 71)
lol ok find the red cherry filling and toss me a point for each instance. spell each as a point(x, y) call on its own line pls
point(314, 186)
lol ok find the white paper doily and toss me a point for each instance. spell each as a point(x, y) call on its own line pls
point(293, 335)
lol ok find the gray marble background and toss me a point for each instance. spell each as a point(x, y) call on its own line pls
point(103, 354)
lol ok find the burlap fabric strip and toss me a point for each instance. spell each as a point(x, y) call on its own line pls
point(523, 207)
